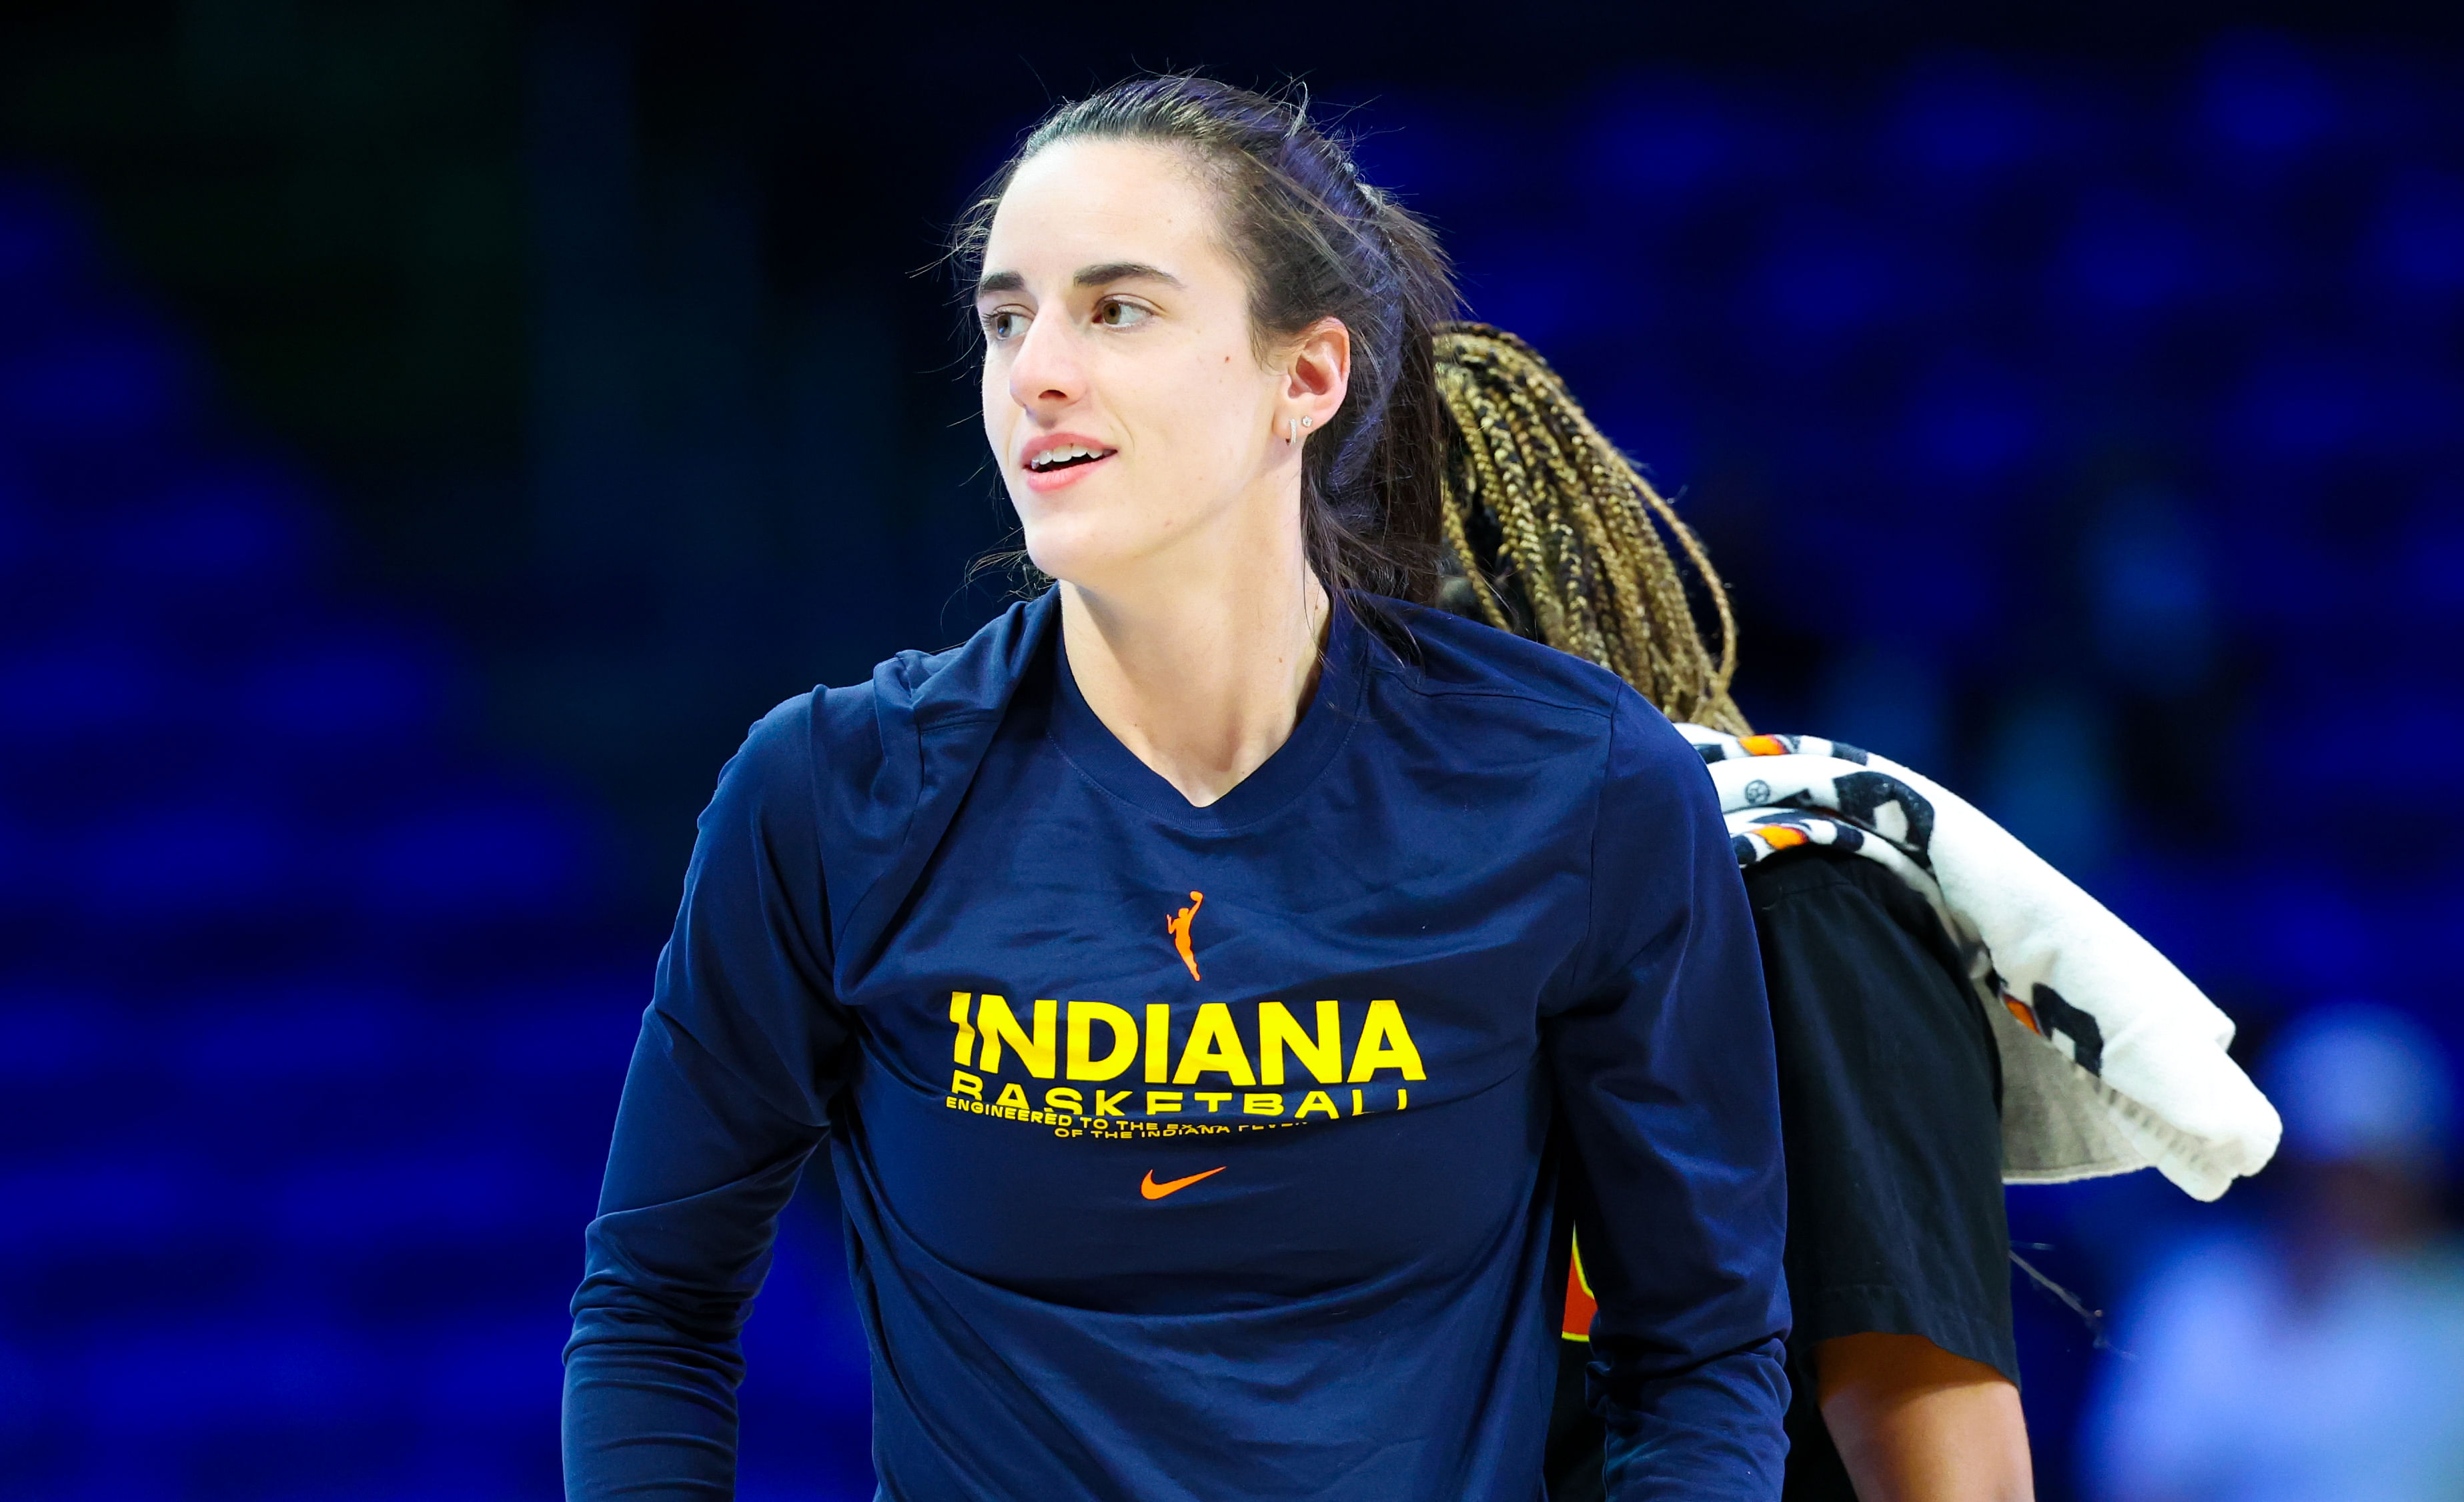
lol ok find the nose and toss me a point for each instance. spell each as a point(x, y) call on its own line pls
point(1046, 374)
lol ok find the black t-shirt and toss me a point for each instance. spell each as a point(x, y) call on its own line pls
point(1890, 1107)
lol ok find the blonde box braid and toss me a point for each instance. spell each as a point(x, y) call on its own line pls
point(1579, 530)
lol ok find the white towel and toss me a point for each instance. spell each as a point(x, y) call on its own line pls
point(2111, 1059)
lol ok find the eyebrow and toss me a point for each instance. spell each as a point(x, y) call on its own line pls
point(1123, 271)
point(1108, 272)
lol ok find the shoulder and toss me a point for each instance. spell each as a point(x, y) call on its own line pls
point(774, 766)
point(1844, 902)
point(848, 767)
point(1839, 881)
point(1812, 870)
point(785, 731)
point(1443, 655)
point(1476, 678)
point(849, 734)
point(1824, 875)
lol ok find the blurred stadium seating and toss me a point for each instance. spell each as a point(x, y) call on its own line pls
point(314, 1012)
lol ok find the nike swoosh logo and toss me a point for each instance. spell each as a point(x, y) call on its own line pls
point(1156, 1191)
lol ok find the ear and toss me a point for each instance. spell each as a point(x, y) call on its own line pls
point(1317, 374)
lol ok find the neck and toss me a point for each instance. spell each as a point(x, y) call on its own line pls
point(1203, 679)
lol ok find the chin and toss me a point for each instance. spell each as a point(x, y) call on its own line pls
point(1070, 548)
point(1083, 552)
point(1100, 539)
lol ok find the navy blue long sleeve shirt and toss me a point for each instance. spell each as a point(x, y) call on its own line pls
point(1208, 1153)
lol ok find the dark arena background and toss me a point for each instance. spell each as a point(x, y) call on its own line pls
point(432, 430)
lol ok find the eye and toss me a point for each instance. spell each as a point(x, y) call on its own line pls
point(1114, 312)
point(1004, 324)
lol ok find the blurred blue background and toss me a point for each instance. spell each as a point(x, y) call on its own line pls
point(429, 433)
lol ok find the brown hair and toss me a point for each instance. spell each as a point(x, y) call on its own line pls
point(1458, 471)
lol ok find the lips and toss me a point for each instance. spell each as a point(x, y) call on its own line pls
point(1052, 459)
point(1056, 459)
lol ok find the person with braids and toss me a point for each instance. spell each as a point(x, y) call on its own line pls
point(1211, 980)
point(1904, 1364)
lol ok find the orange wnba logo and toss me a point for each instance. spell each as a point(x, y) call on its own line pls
point(1178, 926)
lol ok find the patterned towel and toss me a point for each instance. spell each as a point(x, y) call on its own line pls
point(2111, 1059)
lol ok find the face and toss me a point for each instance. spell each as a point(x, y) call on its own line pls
point(1137, 430)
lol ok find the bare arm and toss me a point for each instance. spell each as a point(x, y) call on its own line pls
point(1915, 1424)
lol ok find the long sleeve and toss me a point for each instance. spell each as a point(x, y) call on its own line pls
point(727, 1096)
point(1668, 1099)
